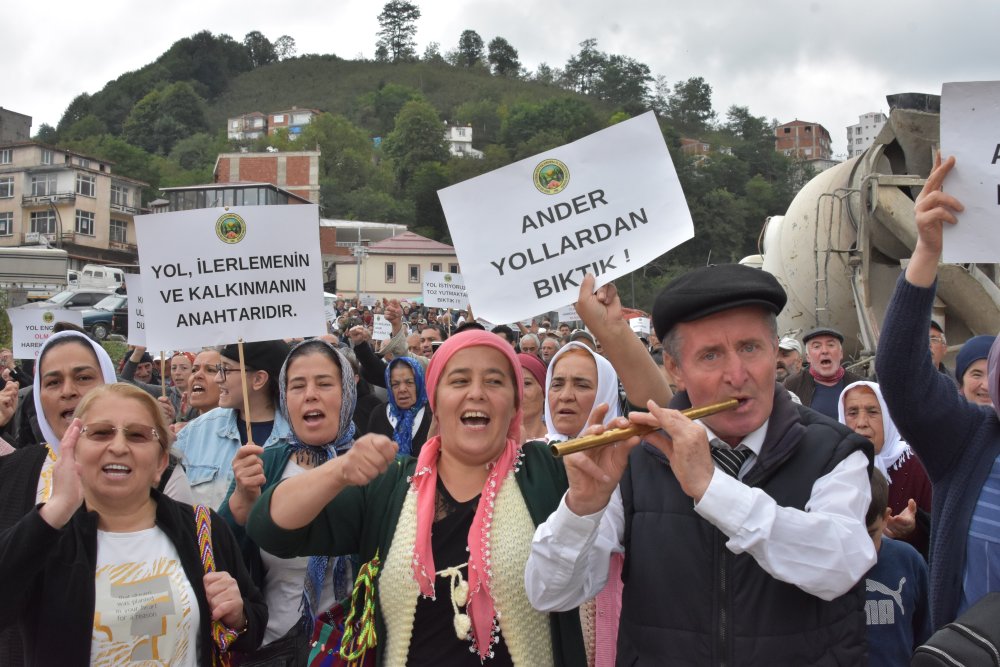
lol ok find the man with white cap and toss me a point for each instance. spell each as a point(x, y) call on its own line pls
point(789, 357)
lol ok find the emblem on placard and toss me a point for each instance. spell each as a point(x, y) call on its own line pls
point(447, 278)
point(230, 228)
point(48, 317)
point(551, 176)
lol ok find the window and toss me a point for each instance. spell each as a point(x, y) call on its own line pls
point(6, 223)
point(6, 187)
point(43, 222)
point(390, 272)
point(809, 128)
point(86, 185)
point(436, 267)
point(119, 195)
point(118, 228)
point(461, 131)
point(6, 155)
point(453, 268)
point(236, 124)
point(788, 130)
point(85, 223)
point(46, 156)
point(414, 273)
point(43, 184)
point(83, 162)
point(278, 118)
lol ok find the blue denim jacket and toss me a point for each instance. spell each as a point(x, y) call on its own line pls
point(208, 445)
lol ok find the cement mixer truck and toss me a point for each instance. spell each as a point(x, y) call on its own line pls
point(849, 232)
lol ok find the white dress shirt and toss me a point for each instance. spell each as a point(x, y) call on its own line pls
point(824, 550)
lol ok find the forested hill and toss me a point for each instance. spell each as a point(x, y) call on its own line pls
point(166, 123)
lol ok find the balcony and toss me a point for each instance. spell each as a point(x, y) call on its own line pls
point(45, 200)
point(124, 208)
point(126, 247)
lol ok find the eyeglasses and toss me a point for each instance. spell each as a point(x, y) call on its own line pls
point(136, 434)
point(224, 371)
point(937, 340)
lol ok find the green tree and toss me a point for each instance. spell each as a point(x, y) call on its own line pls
point(690, 106)
point(483, 117)
point(503, 58)
point(470, 49)
point(566, 118)
point(346, 158)
point(46, 134)
point(432, 54)
point(384, 104)
point(88, 126)
point(546, 75)
point(198, 151)
point(418, 137)
point(624, 82)
point(162, 118)
point(428, 178)
point(398, 22)
point(260, 48)
point(583, 71)
point(78, 109)
point(284, 47)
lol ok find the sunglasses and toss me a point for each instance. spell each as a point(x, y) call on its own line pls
point(136, 434)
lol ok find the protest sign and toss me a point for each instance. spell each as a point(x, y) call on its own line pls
point(31, 326)
point(606, 204)
point(136, 316)
point(367, 301)
point(381, 328)
point(970, 118)
point(568, 313)
point(640, 325)
point(213, 275)
point(444, 290)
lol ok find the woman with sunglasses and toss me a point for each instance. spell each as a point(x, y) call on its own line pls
point(110, 568)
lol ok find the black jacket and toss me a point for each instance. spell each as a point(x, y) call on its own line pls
point(379, 423)
point(48, 581)
point(688, 600)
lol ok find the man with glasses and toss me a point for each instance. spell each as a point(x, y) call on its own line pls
point(939, 348)
point(209, 443)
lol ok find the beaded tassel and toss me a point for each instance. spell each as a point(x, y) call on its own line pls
point(353, 646)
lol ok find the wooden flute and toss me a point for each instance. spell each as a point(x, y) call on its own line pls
point(616, 434)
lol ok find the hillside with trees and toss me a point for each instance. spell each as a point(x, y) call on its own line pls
point(381, 131)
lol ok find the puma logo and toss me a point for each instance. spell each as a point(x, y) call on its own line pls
point(873, 586)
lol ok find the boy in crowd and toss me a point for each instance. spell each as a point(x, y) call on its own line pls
point(895, 589)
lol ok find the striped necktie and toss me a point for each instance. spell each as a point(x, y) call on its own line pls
point(730, 460)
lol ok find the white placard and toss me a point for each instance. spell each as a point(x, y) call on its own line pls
point(568, 313)
point(445, 290)
point(136, 311)
point(640, 325)
point(970, 116)
point(606, 204)
point(31, 327)
point(330, 314)
point(381, 328)
point(213, 275)
point(367, 301)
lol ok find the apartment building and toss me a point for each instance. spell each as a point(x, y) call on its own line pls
point(64, 199)
point(803, 140)
point(297, 172)
point(862, 134)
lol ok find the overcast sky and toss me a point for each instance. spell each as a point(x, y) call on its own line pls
point(826, 62)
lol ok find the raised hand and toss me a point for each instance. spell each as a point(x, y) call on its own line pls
point(370, 456)
point(934, 207)
point(67, 488)
point(8, 402)
point(600, 310)
point(593, 474)
point(167, 408)
point(903, 524)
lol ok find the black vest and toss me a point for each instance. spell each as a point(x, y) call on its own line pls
point(688, 600)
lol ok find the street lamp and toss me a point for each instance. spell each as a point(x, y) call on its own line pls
point(360, 252)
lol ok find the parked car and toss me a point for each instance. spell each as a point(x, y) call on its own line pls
point(73, 299)
point(119, 323)
point(98, 320)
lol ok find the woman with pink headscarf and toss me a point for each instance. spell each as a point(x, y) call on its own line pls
point(451, 530)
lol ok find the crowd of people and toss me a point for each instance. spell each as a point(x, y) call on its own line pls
point(230, 502)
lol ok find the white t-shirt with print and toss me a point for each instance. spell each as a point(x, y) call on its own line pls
point(145, 609)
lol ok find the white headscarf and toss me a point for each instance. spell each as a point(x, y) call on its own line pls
point(607, 390)
point(107, 370)
point(895, 450)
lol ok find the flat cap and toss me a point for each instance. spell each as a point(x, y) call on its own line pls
point(713, 289)
point(823, 331)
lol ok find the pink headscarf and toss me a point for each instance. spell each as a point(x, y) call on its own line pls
point(480, 609)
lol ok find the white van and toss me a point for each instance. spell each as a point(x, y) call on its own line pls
point(96, 275)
